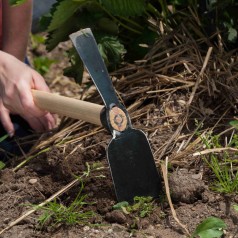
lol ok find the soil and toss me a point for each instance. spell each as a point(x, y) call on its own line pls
point(49, 172)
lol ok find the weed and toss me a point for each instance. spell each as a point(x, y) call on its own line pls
point(2, 165)
point(4, 137)
point(226, 178)
point(142, 206)
point(234, 124)
point(235, 206)
point(42, 64)
point(222, 165)
point(36, 40)
point(56, 213)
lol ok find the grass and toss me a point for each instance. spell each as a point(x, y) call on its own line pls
point(226, 178)
point(2, 165)
point(4, 137)
point(56, 213)
point(223, 164)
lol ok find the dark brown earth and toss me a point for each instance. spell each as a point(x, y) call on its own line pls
point(49, 172)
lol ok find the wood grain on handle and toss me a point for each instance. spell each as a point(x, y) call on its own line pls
point(70, 107)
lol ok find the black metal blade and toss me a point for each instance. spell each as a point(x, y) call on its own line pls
point(132, 166)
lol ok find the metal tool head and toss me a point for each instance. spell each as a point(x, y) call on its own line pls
point(131, 161)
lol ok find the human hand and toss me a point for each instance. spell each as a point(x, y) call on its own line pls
point(16, 82)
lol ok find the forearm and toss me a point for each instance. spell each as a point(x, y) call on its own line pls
point(16, 28)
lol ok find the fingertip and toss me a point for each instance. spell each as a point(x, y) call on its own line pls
point(11, 133)
point(51, 121)
point(55, 119)
point(8, 126)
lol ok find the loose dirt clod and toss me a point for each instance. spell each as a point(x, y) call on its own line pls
point(185, 187)
point(116, 217)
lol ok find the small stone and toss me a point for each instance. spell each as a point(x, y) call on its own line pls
point(117, 228)
point(86, 228)
point(197, 176)
point(144, 223)
point(32, 181)
point(20, 173)
point(6, 220)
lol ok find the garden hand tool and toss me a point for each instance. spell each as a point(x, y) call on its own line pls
point(131, 162)
point(129, 154)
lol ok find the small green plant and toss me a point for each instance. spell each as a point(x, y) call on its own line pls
point(235, 206)
point(42, 64)
point(16, 2)
point(56, 213)
point(142, 206)
point(2, 165)
point(226, 177)
point(4, 137)
point(222, 164)
point(36, 40)
point(234, 124)
point(211, 227)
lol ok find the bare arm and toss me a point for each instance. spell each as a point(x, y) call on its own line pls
point(16, 78)
point(16, 28)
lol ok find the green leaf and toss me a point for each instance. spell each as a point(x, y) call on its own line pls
point(108, 25)
point(235, 207)
point(210, 233)
point(3, 138)
point(2, 165)
point(16, 2)
point(72, 24)
point(211, 227)
point(62, 11)
point(120, 205)
point(76, 69)
point(232, 34)
point(234, 124)
point(125, 7)
point(57, 36)
point(42, 64)
point(111, 50)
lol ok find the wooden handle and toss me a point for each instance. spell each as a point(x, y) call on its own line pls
point(69, 107)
